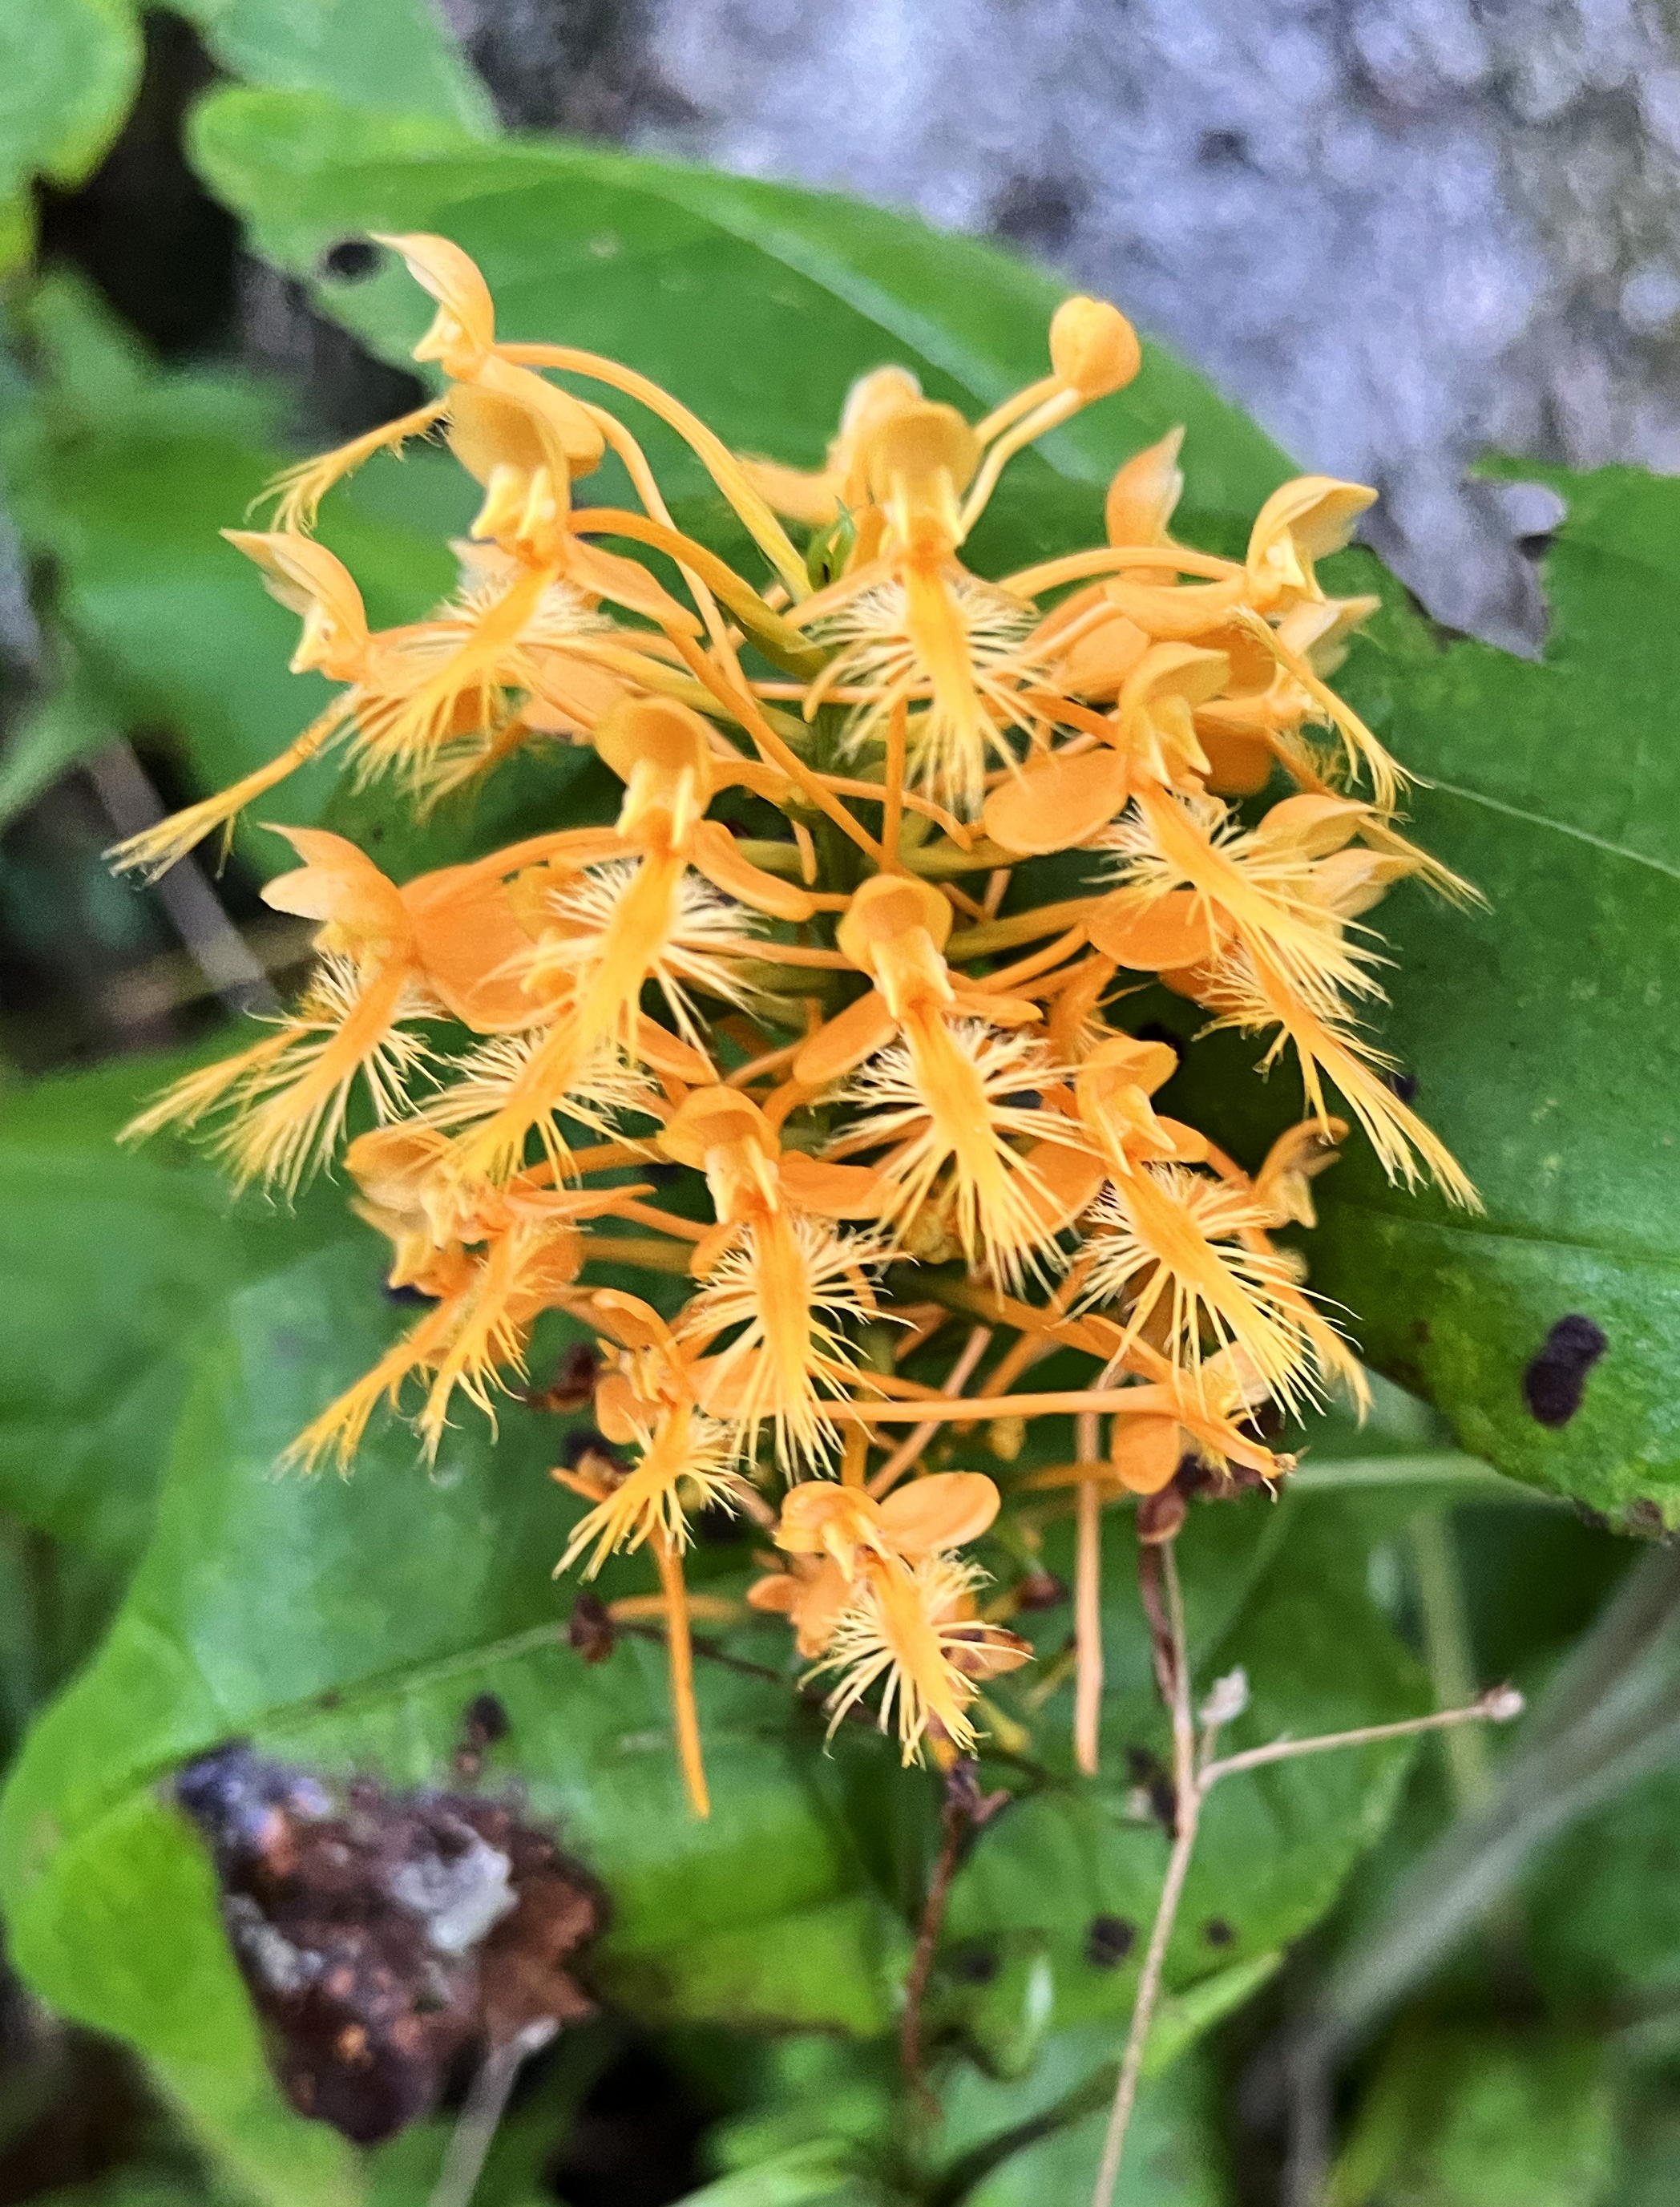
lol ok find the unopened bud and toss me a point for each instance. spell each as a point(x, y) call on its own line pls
point(1094, 349)
point(1503, 1703)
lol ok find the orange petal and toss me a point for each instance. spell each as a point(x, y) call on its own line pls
point(628, 1319)
point(1190, 1146)
point(471, 943)
point(710, 1118)
point(617, 1412)
point(439, 266)
point(567, 439)
point(776, 1595)
point(713, 852)
point(832, 1191)
point(1153, 934)
point(337, 883)
point(1313, 825)
point(1144, 492)
point(1053, 806)
point(1096, 663)
point(1238, 766)
point(847, 1040)
point(946, 1510)
point(1070, 1179)
point(667, 1054)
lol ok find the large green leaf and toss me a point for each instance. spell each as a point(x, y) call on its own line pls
point(1543, 1031)
point(67, 71)
point(110, 1262)
point(346, 1625)
point(1058, 1897)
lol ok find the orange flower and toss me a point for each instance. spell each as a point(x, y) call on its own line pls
point(947, 1073)
point(886, 1603)
point(779, 1278)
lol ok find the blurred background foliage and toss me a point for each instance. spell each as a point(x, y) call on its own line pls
point(1463, 1963)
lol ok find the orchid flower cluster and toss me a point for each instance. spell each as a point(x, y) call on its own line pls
point(906, 1092)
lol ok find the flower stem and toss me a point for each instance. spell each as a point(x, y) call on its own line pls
point(685, 1718)
point(1088, 1607)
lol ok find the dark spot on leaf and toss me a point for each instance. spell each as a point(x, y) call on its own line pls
point(1404, 1085)
point(388, 1940)
point(332, 1699)
point(484, 1724)
point(1556, 1380)
point(589, 1628)
point(974, 1965)
point(350, 260)
point(1109, 1940)
point(1645, 1516)
point(1218, 1933)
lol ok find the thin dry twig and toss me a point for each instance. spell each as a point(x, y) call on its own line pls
point(1196, 1770)
point(964, 1809)
point(487, 2103)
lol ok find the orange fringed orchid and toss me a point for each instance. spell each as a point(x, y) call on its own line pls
point(889, 1083)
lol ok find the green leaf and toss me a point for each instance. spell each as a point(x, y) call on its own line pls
point(394, 55)
point(816, 2174)
point(1555, 789)
point(345, 1624)
point(1276, 1845)
point(1478, 2118)
point(54, 733)
point(67, 72)
point(110, 1260)
point(1172, 2156)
